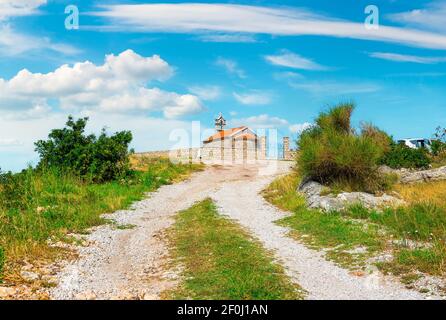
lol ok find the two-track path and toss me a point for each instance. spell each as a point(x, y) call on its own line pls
point(131, 263)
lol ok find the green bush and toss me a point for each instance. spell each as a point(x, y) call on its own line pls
point(401, 156)
point(332, 153)
point(438, 147)
point(99, 159)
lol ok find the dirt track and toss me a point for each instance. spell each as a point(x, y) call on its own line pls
point(130, 263)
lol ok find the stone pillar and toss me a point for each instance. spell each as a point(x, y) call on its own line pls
point(262, 154)
point(286, 148)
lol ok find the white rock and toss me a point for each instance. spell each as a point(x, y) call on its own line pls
point(29, 275)
point(312, 192)
point(6, 292)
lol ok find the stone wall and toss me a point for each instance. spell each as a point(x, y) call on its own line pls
point(227, 151)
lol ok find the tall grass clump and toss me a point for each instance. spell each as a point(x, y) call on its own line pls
point(332, 153)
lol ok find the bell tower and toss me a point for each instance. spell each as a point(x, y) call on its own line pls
point(220, 122)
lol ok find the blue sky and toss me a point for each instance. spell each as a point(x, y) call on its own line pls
point(266, 64)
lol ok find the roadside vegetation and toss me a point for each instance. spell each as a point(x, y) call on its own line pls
point(68, 194)
point(415, 235)
point(221, 261)
point(337, 155)
point(346, 241)
point(333, 153)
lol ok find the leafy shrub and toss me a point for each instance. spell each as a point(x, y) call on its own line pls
point(401, 156)
point(331, 153)
point(438, 147)
point(13, 189)
point(99, 159)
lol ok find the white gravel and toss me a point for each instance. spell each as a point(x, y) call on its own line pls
point(131, 263)
point(322, 279)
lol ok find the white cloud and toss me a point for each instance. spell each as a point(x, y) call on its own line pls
point(263, 121)
point(14, 8)
point(9, 142)
point(292, 60)
point(206, 92)
point(229, 38)
point(432, 17)
point(406, 58)
point(13, 42)
point(230, 18)
point(298, 128)
point(116, 86)
point(288, 75)
point(253, 98)
point(231, 67)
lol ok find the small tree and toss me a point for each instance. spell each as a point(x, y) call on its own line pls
point(100, 158)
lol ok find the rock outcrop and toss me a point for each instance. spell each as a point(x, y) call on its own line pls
point(312, 191)
point(407, 176)
point(414, 176)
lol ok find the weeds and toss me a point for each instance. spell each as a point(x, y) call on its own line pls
point(221, 261)
point(38, 205)
point(421, 223)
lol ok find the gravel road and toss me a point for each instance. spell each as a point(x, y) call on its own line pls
point(131, 263)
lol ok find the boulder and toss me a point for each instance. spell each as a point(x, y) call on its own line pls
point(312, 192)
point(413, 176)
point(423, 176)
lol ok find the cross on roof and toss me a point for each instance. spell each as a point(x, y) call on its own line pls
point(220, 122)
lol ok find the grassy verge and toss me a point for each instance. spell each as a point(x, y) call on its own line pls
point(222, 262)
point(52, 204)
point(348, 242)
point(416, 234)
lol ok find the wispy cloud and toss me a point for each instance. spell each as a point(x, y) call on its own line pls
point(293, 60)
point(298, 128)
point(231, 66)
point(287, 75)
point(13, 42)
point(230, 18)
point(334, 87)
point(417, 74)
point(4, 142)
point(262, 121)
point(406, 58)
point(253, 98)
point(14, 8)
point(229, 38)
point(431, 17)
point(207, 92)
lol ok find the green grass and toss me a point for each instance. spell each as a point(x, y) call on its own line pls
point(221, 261)
point(422, 222)
point(324, 230)
point(50, 205)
